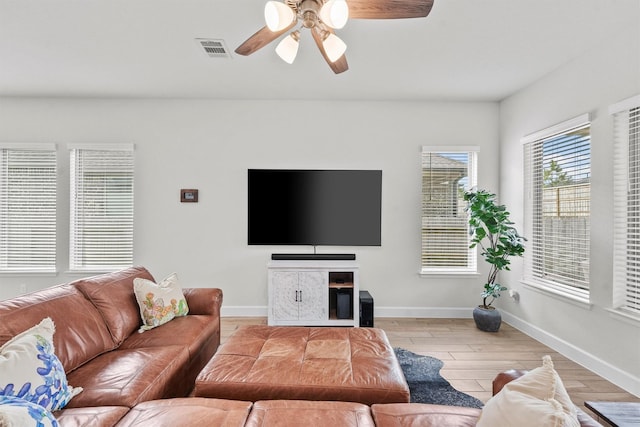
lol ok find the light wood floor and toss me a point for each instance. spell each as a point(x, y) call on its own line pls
point(473, 358)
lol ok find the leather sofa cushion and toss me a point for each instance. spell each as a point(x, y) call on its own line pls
point(113, 296)
point(128, 377)
point(296, 413)
point(424, 415)
point(100, 416)
point(199, 334)
point(188, 412)
point(191, 331)
point(81, 333)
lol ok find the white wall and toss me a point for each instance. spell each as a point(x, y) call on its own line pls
point(610, 72)
point(209, 145)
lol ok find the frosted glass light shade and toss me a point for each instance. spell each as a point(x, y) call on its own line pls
point(335, 13)
point(287, 49)
point(334, 47)
point(277, 15)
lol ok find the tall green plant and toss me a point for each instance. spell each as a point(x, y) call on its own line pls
point(491, 229)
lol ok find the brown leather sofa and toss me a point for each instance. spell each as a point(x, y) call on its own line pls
point(96, 340)
point(198, 411)
point(135, 380)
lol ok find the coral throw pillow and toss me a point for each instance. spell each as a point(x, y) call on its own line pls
point(537, 399)
point(30, 370)
point(159, 303)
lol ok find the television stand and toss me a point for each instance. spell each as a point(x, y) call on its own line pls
point(313, 257)
point(313, 292)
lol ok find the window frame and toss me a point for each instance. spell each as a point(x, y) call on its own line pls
point(471, 268)
point(626, 203)
point(41, 191)
point(102, 207)
point(572, 293)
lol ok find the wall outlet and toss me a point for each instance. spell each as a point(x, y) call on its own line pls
point(23, 288)
point(514, 294)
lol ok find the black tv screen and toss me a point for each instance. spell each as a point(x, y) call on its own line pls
point(314, 207)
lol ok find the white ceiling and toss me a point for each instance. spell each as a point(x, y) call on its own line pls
point(464, 50)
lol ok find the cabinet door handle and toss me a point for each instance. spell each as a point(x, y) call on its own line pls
point(300, 296)
point(296, 296)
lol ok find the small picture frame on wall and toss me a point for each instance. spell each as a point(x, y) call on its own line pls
point(189, 196)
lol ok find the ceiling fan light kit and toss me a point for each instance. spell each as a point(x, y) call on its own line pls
point(335, 13)
point(321, 17)
point(288, 48)
point(278, 16)
point(334, 47)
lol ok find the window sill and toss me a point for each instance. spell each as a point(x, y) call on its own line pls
point(625, 316)
point(8, 273)
point(448, 273)
point(579, 299)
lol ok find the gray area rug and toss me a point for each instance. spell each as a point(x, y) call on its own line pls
point(425, 383)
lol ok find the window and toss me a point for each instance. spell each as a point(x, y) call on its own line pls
point(626, 245)
point(28, 208)
point(101, 208)
point(557, 163)
point(446, 173)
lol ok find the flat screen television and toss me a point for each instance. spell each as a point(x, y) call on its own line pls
point(314, 207)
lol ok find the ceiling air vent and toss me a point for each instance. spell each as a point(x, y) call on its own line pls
point(214, 48)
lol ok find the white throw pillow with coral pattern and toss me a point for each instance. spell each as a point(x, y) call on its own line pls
point(159, 303)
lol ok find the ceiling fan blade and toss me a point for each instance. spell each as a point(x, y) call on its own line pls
point(389, 9)
point(340, 65)
point(260, 39)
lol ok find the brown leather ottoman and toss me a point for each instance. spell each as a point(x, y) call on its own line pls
point(296, 413)
point(306, 363)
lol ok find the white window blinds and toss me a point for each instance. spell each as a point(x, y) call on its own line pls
point(101, 229)
point(557, 207)
point(626, 250)
point(28, 208)
point(446, 173)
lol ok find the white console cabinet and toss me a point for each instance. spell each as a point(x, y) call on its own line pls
point(313, 293)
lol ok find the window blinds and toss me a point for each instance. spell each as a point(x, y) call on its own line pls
point(445, 229)
point(557, 208)
point(626, 251)
point(101, 229)
point(28, 208)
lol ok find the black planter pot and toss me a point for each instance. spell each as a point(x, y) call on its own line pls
point(487, 320)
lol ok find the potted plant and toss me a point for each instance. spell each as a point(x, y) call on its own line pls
point(491, 229)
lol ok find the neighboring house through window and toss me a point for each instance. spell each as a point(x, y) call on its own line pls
point(446, 173)
point(101, 229)
point(28, 207)
point(557, 163)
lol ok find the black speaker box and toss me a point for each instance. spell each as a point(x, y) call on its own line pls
point(366, 309)
point(343, 304)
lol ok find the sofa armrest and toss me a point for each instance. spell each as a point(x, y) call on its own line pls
point(205, 301)
point(507, 376)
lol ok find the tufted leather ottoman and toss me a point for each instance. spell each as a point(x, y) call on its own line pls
point(307, 363)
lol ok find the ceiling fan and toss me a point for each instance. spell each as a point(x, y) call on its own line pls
point(322, 17)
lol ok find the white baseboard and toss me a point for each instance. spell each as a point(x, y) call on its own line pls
point(243, 311)
point(622, 379)
point(425, 312)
